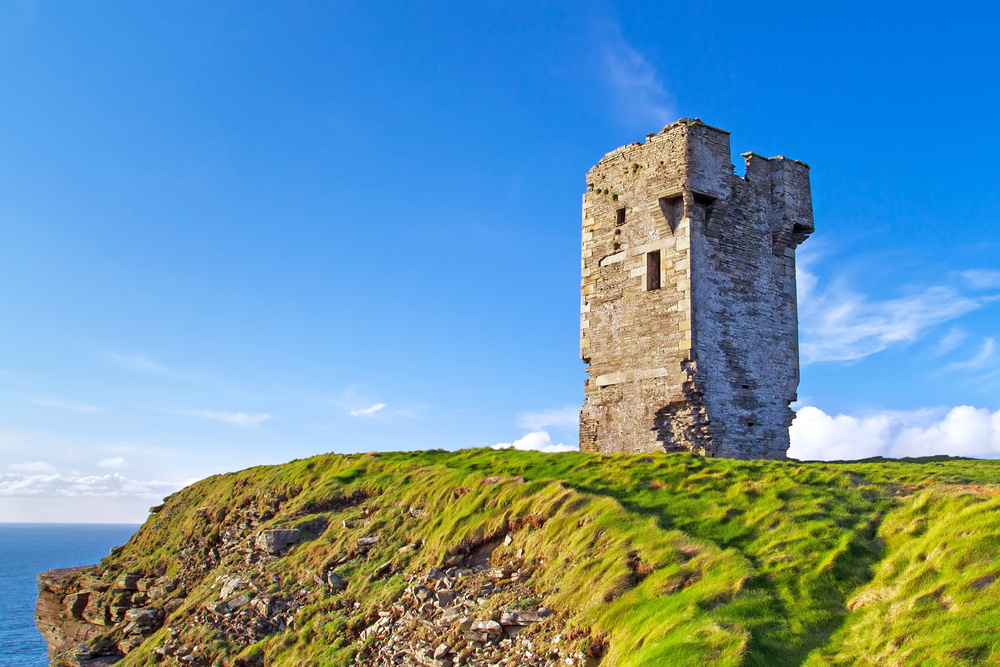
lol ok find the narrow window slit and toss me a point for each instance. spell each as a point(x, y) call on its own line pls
point(620, 216)
point(652, 270)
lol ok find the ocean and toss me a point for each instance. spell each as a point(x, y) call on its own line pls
point(27, 549)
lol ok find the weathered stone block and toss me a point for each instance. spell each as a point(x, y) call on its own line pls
point(278, 541)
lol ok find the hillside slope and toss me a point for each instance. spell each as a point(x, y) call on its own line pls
point(502, 557)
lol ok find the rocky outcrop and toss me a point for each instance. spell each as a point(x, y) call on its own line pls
point(63, 597)
point(88, 620)
point(234, 582)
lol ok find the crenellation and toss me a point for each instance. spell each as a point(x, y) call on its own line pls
point(688, 313)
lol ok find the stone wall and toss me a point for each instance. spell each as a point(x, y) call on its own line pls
point(688, 314)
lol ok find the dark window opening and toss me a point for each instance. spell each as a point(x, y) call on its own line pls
point(704, 202)
point(653, 270)
point(620, 216)
point(673, 210)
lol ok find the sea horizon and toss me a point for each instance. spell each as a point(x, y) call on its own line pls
point(29, 548)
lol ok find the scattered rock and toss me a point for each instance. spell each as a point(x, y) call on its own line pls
point(335, 582)
point(144, 618)
point(519, 617)
point(230, 586)
point(490, 627)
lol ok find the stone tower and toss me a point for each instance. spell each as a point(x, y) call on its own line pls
point(688, 318)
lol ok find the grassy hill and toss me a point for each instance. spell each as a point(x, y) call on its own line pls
point(617, 560)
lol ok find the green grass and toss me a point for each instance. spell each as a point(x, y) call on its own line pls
point(747, 562)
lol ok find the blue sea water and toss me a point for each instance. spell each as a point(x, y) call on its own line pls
point(27, 549)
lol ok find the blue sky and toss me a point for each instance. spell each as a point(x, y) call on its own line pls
point(241, 233)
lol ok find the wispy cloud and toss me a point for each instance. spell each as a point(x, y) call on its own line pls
point(367, 412)
point(949, 341)
point(66, 405)
point(244, 419)
point(32, 467)
point(411, 412)
point(567, 417)
point(959, 431)
point(140, 364)
point(982, 279)
point(984, 358)
point(15, 377)
point(839, 324)
point(537, 441)
point(113, 463)
point(637, 91)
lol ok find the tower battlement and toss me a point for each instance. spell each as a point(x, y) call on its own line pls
point(688, 312)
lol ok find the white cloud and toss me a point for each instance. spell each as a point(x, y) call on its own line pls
point(960, 431)
point(34, 490)
point(367, 412)
point(72, 485)
point(537, 441)
point(66, 405)
point(244, 419)
point(982, 279)
point(637, 91)
point(32, 467)
point(567, 417)
point(113, 463)
point(839, 324)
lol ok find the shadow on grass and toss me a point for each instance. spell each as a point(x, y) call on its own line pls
point(784, 628)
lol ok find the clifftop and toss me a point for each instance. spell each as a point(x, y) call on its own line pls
point(482, 557)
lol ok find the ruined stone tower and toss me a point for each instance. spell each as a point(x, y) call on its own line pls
point(688, 318)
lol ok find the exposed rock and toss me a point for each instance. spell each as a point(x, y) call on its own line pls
point(490, 627)
point(129, 581)
point(276, 542)
point(144, 618)
point(62, 630)
point(230, 586)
